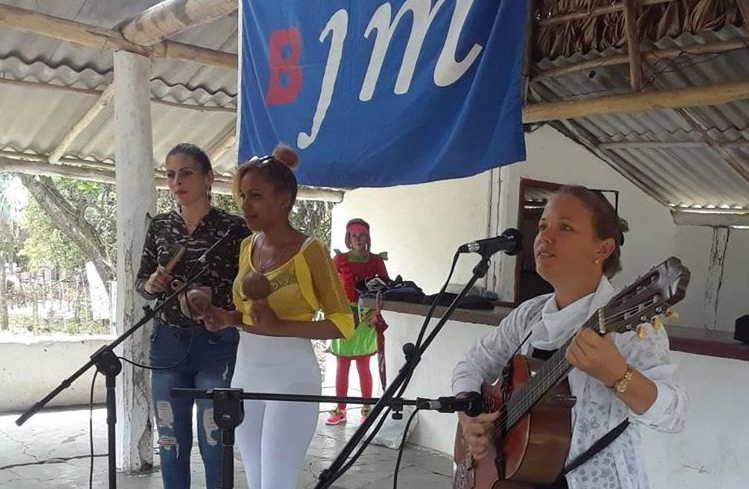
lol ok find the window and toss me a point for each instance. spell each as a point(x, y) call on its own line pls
point(533, 197)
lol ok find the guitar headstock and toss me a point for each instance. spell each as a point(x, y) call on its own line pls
point(646, 300)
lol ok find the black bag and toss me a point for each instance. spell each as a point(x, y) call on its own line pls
point(391, 290)
point(467, 302)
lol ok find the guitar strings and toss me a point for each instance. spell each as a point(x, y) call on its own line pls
point(549, 374)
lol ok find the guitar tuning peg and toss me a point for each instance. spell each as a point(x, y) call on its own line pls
point(641, 331)
point(656, 322)
point(672, 315)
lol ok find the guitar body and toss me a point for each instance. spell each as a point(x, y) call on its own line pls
point(534, 449)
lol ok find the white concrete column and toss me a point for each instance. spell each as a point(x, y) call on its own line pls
point(509, 201)
point(493, 224)
point(135, 197)
point(715, 275)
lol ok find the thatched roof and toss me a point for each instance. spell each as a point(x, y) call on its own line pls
point(600, 32)
point(691, 158)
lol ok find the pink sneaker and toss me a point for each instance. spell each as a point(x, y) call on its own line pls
point(337, 416)
point(364, 414)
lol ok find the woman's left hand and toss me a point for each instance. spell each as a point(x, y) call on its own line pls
point(264, 317)
point(597, 356)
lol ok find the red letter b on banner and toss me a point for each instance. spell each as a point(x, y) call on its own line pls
point(285, 72)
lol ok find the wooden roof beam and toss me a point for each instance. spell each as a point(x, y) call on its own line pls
point(65, 29)
point(652, 56)
point(101, 38)
point(224, 142)
point(631, 8)
point(172, 17)
point(584, 14)
point(716, 94)
point(104, 173)
point(97, 92)
point(744, 9)
point(187, 52)
point(104, 99)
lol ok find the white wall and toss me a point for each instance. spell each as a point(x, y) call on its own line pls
point(31, 368)
point(693, 244)
point(432, 377)
point(420, 226)
point(712, 451)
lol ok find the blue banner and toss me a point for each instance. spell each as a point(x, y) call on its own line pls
point(375, 93)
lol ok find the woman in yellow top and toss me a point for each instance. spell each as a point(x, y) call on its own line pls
point(275, 353)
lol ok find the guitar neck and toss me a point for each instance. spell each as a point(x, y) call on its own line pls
point(553, 370)
point(647, 298)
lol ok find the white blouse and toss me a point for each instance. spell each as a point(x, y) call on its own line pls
point(598, 410)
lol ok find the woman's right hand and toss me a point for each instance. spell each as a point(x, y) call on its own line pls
point(477, 432)
point(216, 319)
point(158, 281)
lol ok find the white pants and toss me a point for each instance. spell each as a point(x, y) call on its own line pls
point(274, 436)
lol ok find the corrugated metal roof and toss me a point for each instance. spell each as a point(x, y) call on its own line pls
point(697, 175)
point(37, 117)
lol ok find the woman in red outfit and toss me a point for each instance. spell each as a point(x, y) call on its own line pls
point(359, 263)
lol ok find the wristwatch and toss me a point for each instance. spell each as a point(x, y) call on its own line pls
point(621, 385)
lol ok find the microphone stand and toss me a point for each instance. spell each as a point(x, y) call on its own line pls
point(107, 363)
point(413, 355)
point(228, 411)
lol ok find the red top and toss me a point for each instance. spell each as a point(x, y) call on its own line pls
point(353, 271)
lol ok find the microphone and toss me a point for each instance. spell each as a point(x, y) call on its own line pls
point(509, 241)
point(232, 230)
point(472, 404)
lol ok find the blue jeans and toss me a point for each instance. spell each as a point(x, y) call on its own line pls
point(204, 360)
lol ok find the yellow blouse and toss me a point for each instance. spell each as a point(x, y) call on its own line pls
point(301, 287)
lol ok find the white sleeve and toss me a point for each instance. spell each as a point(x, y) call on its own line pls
point(651, 357)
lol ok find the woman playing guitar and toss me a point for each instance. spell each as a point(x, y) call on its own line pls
point(614, 377)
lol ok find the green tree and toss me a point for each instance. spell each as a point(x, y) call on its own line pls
point(313, 217)
point(66, 210)
point(71, 222)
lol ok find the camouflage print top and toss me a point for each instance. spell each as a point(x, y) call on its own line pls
point(168, 230)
